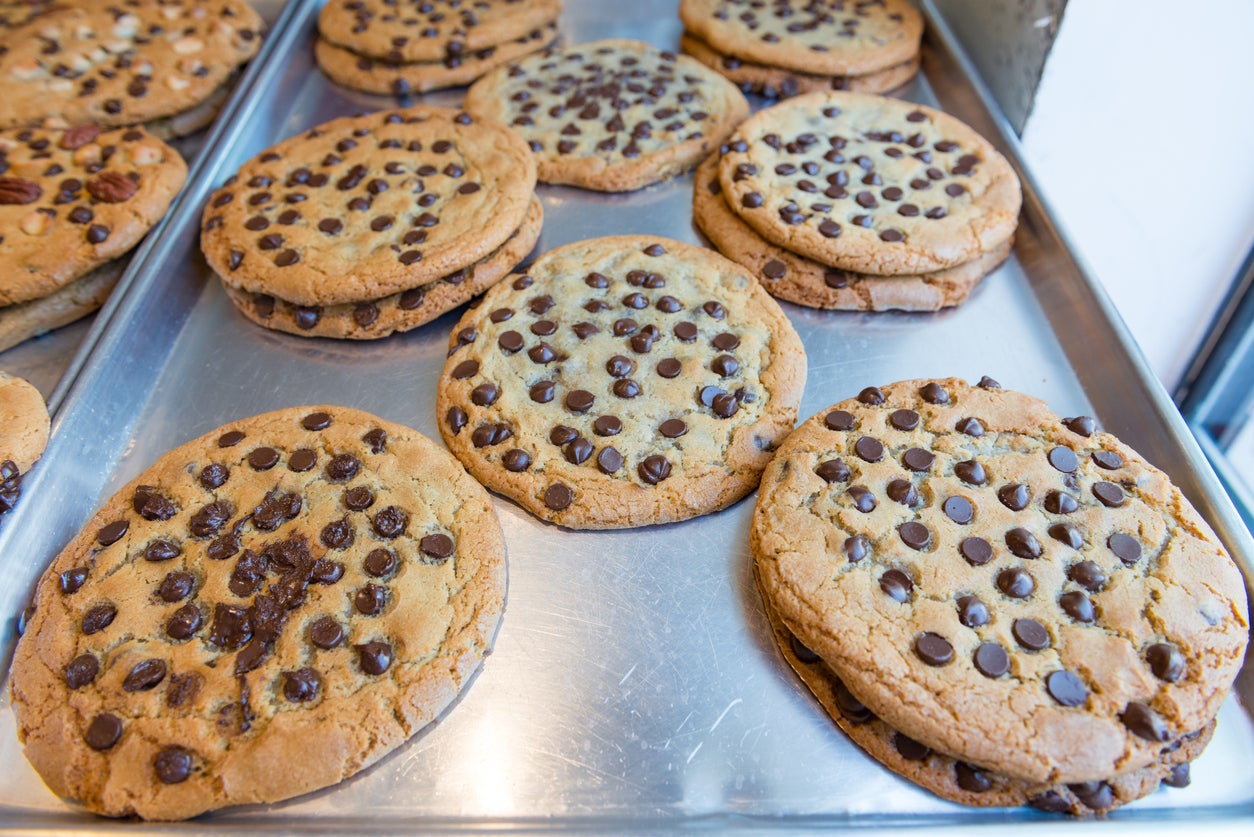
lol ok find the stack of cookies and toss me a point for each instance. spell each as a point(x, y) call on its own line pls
point(859, 202)
point(365, 226)
point(264, 611)
point(165, 64)
point(622, 381)
point(1004, 606)
point(788, 47)
point(612, 115)
point(414, 46)
point(24, 428)
point(73, 202)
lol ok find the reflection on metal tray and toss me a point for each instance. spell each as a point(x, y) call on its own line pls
point(635, 682)
point(45, 360)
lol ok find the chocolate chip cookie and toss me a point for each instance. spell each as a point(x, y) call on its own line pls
point(819, 37)
point(967, 784)
point(359, 208)
point(21, 322)
point(870, 184)
point(407, 31)
point(621, 381)
point(123, 64)
point(266, 610)
point(74, 199)
point(23, 435)
point(362, 72)
point(806, 282)
point(1017, 590)
point(781, 83)
point(398, 312)
point(611, 115)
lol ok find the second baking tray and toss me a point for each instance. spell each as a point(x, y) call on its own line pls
point(635, 682)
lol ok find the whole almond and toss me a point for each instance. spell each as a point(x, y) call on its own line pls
point(78, 136)
point(34, 223)
point(17, 190)
point(112, 187)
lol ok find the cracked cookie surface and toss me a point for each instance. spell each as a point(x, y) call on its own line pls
point(362, 207)
point(1015, 589)
point(266, 610)
point(621, 381)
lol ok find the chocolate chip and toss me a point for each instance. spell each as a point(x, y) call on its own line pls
point(81, 671)
point(374, 657)
point(1109, 494)
point(896, 585)
point(1015, 496)
point(1063, 459)
point(1050, 802)
point(230, 439)
point(863, 499)
point(214, 476)
point(302, 685)
point(326, 633)
point(438, 546)
point(908, 748)
point(342, 467)
point(1126, 548)
point(1088, 575)
point(1080, 425)
point(173, 765)
point(103, 731)
point(839, 420)
point(959, 510)
point(1016, 583)
point(934, 393)
point(111, 533)
point(933, 649)
point(1059, 502)
point(653, 469)
point(176, 586)
point(1066, 688)
point(358, 498)
point(1077, 605)
point(184, 622)
point(263, 459)
point(904, 419)
point(1023, 543)
point(607, 426)
point(725, 366)
point(302, 460)
point(903, 491)
point(376, 440)
point(970, 472)
point(971, 779)
point(1178, 777)
point(391, 522)
point(1107, 459)
point(316, 421)
point(145, 675)
point(1166, 661)
point(558, 496)
point(976, 551)
point(542, 393)
point(579, 401)
point(856, 548)
point(609, 460)
point(485, 395)
point(1144, 722)
point(917, 459)
point(465, 369)
point(1097, 796)
point(869, 448)
point(72, 579)
point(970, 426)
point(98, 618)
point(833, 470)
point(1067, 533)
point(991, 660)
point(370, 600)
point(1031, 634)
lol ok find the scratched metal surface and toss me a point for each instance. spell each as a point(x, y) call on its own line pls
point(634, 683)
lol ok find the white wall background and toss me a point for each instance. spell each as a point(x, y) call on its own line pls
point(1142, 137)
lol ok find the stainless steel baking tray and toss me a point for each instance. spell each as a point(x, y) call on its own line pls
point(635, 683)
point(45, 360)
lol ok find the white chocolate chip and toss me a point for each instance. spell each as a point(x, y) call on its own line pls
point(26, 70)
point(97, 55)
point(87, 155)
point(118, 47)
point(61, 85)
point(146, 155)
point(176, 83)
point(189, 66)
point(7, 144)
point(55, 123)
point(34, 223)
point(144, 68)
point(126, 26)
point(170, 12)
point(80, 63)
point(84, 33)
point(187, 46)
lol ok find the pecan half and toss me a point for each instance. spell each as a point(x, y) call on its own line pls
point(112, 187)
point(78, 136)
point(18, 190)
